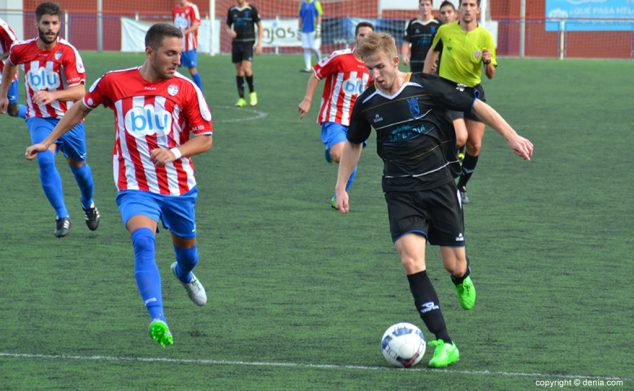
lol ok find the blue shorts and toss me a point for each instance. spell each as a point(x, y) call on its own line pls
point(12, 94)
point(177, 213)
point(72, 144)
point(333, 133)
point(189, 59)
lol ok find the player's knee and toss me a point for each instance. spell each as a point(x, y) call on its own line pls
point(46, 159)
point(143, 241)
point(473, 148)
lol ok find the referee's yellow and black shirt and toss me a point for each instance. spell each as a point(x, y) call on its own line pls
point(461, 60)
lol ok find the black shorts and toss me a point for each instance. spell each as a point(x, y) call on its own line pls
point(435, 214)
point(476, 92)
point(241, 51)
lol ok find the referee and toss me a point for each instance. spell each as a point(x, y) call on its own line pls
point(466, 48)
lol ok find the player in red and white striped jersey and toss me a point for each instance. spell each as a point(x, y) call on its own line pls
point(187, 19)
point(346, 78)
point(7, 37)
point(54, 78)
point(161, 120)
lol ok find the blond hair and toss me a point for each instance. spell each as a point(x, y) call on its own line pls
point(375, 42)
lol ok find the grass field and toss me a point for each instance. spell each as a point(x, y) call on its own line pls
point(299, 294)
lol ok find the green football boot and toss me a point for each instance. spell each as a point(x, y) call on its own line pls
point(241, 102)
point(160, 332)
point(253, 99)
point(445, 354)
point(466, 293)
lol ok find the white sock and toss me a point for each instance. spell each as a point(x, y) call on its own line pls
point(307, 59)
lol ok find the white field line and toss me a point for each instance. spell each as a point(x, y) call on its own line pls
point(255, 114)
point(297, 365)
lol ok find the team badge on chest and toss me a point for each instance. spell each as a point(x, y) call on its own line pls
point(172, 89)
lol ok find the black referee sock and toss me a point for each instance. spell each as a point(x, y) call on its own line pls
point(459, 280)
point(427, 305)
point(240, 85)
point(250, 82)
point(468, 166)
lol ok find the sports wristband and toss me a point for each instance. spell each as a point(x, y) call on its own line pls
point(177, 153)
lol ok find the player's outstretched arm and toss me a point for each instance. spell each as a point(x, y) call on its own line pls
point(521, 146)
point(349, 160)
point(304, 105)
point(72, 117)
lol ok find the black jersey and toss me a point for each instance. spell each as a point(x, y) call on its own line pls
point(243, 20)
point(414, 134)
point(420, 34)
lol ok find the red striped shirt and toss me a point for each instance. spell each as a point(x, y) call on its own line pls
point(346, 78)
point(184, 18)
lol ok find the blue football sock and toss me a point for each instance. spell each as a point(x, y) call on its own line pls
point(351, 179)
point(148, 278)
point(186, 261)
point(83, 177)
point(52, 182)
point(198, 80)
point(22, 111)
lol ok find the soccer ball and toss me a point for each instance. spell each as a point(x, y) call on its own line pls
point(403, 345)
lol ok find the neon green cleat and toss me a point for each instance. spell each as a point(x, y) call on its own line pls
point(466, 293)
point(333, 202)
point(253, 98)
point(445, 354)
point(160, 332)
point(241, 102)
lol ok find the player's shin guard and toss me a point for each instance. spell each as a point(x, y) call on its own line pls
point(83, 177)
point(52, 182)
point(148, 278)
point(352, 177)
point(468, 167)
point(186, 261)
point(198, 81)
point(428, 305)
point(240, 86)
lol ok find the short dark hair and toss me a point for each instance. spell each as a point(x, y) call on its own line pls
point(477, 1)
point(47, 9)
point(447, 3)
point(158, 31)
point(362, 24)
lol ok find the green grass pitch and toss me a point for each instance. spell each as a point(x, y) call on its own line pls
point(300, 295)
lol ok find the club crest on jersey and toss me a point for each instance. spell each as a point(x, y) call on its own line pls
point(42, 79)
point(180, 22)
point(172, 89)
point(58, 54)
point(414, 108)
point(147, 121)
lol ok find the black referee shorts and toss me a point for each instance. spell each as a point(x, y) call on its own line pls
point(476, 92)
point(435, 214)
point(241, 51)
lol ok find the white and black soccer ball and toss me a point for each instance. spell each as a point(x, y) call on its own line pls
point(403, 345)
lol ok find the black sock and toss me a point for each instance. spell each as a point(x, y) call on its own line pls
point(250, 82)
point(427, 305)
point(468, 166)
point(240, 85)
point(459, 280)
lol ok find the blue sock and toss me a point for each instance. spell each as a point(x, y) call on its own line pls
point(186, 261)
point(351, 179)
point(198, 80)
point(83, 177)
point(52, 182)
point(148, 278)
point(22, 111)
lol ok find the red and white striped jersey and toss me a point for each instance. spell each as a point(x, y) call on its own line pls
point(184, 18)
point(7, 37)
point(346, 78)
point(53, 69)
point(149, 115)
